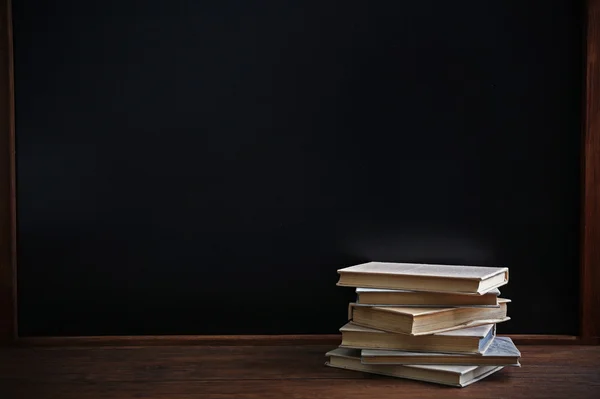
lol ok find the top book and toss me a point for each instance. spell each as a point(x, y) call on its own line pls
point(424, 277)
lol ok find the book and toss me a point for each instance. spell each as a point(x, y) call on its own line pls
point(424, 321)
point(387, 297)
point(423, 277)
point(501, 352)
point(472, 340)
point(457, 376)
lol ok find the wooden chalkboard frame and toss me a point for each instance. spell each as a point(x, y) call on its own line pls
point(589, 332)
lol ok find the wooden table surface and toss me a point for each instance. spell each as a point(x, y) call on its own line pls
point(227, 372)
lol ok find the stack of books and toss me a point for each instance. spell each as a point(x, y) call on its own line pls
point(434, 323)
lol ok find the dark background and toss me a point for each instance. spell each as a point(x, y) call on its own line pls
point(194, 167)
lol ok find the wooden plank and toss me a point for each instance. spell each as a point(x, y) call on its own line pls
point(8, 324)
point(269, 371)
point(169, 362)
point(181, 340)
point(590, 272)
point(207, 340)
point(172, 363)
point(514, 384)
point(590, 259)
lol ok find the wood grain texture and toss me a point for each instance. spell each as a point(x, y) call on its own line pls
point(590, 259)
point(270, 372)
point(8, 324)
point(236, 340)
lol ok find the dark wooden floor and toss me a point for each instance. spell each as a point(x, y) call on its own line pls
point(228, 372)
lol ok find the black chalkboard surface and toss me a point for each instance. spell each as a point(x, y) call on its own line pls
point(190, 167)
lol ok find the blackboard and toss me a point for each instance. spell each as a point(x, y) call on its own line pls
point(190, 167)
